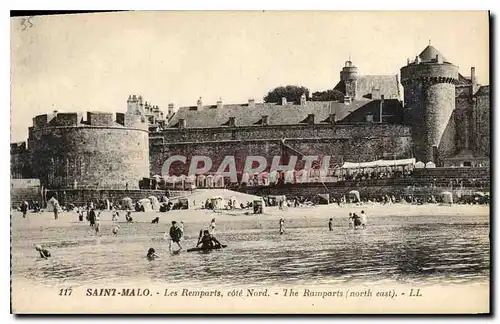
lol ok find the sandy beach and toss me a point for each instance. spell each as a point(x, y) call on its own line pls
point(297, 217)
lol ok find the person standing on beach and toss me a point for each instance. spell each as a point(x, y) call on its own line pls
point(24, 208)
point(212, 227)
point(357, 221)
point(92, 217)
point(351, 221)
point(114, 213)
point(56, 210)
point(282, 226)
point(97, 224)
point(330, 224)
point(363, 219)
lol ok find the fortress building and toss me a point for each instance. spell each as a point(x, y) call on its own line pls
point(68, 150)
point(434, 114)
point(444, 110)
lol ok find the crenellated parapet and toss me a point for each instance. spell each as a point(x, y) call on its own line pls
point(429, 81)
point(90, 150)
point(425, 73)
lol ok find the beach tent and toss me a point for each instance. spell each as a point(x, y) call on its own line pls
point(378, 163)
point(303, 176)
point(430, 165)
point(127, 203)
point(245, 178)
point(290, 176)
point(324, 199)
point(264, 178)
point(219, 181)
point(447, 197)
point(184, 203)
point(419, 165)
point(273, 177)
point(258, 206)
point(200, 181)
point(234, 202)
point(210, 181)
point(256, 179)
point(53, 204)
point(191, 182)
point(155, 204)
point(355, 193)
point(146, 203)
point(218, 202)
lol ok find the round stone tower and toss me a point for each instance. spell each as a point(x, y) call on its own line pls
point(349, 75)
point(96, 152)
point(429, 95)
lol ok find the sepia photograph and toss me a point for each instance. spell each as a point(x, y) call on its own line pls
point(258, 162)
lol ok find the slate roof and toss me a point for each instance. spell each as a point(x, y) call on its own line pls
point(289, 114)
point(367, 85)
point(464, 80)
point(388, 86)
point(483, 91)
point(429, 54)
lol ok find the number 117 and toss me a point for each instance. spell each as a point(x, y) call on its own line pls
point(65, 292)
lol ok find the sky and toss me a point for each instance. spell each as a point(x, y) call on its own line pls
point(93, 62)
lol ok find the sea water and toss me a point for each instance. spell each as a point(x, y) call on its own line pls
point(408, 249)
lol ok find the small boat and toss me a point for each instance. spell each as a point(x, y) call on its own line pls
point(204, 250)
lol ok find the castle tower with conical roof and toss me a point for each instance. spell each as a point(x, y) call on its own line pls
point(429, 94)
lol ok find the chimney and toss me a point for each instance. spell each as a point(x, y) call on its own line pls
point(283, 101)
point(219, 103)
point(381, 108)
point(417, 59)
point(232, 122)
point(199, 103)
point(333, 118)
point(182, 123)
point(251, 102)
point(439, 59)
point(265, 120)
point(303, 99)
point(170, 109)
point(310, 119)
point(140, 99)
point(473, 77)
point(132, 104)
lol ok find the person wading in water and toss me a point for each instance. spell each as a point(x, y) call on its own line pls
point(44, 253)
point(208, 241)
point(175, 235)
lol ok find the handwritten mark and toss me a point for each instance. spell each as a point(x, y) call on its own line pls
point(26, 23)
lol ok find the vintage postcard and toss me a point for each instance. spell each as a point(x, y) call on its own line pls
point(256, 162)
